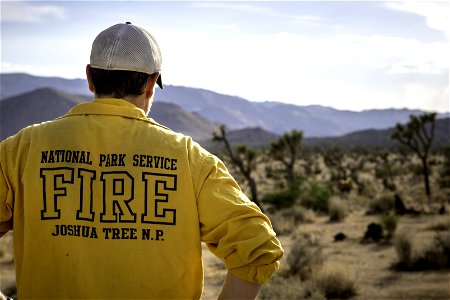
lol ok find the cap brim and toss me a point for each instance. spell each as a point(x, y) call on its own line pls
point(159, 82)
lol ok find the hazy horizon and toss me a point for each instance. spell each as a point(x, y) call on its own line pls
point(267, 101)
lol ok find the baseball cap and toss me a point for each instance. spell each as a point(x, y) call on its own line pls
point(126, 47)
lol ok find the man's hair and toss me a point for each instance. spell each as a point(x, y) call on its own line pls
point(117, 83)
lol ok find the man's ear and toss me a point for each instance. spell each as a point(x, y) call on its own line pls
point(89, 78)
point(150, 86)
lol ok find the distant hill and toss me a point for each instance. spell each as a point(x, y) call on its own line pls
point(33, 107)
point(179, 120)
point(365, 138)
point(18, 83)
point(380, 138)
point(47, 103)
point(235, 112)
point(251, 136)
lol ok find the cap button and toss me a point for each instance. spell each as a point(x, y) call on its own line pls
point(129, 23)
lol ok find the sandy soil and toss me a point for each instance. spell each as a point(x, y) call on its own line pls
point(367, 264)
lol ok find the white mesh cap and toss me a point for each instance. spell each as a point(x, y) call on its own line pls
point(128, 48)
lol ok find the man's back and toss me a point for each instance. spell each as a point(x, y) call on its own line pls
point(101, 195)
point(106, 203)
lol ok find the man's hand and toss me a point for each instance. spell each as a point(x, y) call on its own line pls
point(235, 288)
point(2, 297)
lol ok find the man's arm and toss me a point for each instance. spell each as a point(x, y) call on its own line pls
point(235, 288)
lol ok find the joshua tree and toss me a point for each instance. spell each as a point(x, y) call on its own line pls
point(287, 150)
point(444, 174)
point(243, 158)
point(418, 135)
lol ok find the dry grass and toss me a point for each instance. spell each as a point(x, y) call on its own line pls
point(368, 266)
point(337, 210)
point(433, 255)
point(286, 220)
point(336, 283)
point(305, 257)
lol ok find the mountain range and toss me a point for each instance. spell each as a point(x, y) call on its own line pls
point(27, 99)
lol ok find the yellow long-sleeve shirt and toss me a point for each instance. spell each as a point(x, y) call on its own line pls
point(106, 203)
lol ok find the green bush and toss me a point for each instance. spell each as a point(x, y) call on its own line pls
point(317, 197)
point(283, 198)
point(389, 223)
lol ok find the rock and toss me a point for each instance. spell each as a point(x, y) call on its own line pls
point(340, 237)
point(374, 232)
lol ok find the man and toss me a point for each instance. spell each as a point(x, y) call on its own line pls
point(106, 203)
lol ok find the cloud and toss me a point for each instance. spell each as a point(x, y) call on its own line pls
point(23, 12)
point(397, 55)
point(435, 13)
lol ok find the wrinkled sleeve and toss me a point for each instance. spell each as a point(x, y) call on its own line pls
point(6, 198)
point(234, 228)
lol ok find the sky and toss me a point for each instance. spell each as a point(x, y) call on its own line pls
point(349, 55)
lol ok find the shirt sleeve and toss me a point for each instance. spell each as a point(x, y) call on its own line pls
point(234, 228)
point(6, 197)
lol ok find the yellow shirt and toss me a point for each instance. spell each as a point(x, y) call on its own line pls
point(105, 203)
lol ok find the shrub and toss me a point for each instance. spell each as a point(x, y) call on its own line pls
point(434, 256)
point(437, 255)
point(318, 197)
point(440, 226)
point(337, 210)
point(306, 255)
point(288, 288)
point(298, 214)
point(283, 198)
point(382, 204)
point(335, 285)
point(403, 247)
point(281, 225)
point(389, 223)
point(285, 221)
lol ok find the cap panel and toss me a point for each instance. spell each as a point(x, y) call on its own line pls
point(103, 47)
point(126, 47)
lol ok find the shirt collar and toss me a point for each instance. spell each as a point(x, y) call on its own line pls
point(108, 106)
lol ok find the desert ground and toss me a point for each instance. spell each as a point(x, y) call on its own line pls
point(368, 268)
point(368, 265)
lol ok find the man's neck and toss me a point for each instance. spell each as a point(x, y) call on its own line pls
point(139, 101)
